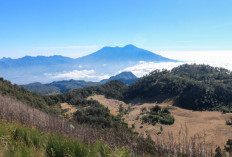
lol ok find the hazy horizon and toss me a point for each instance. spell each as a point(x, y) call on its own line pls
point(191, 31)
point(77, 28)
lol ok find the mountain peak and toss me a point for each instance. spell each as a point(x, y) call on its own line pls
point(118, 47)
point(126, 54)
point(130, 46)
point(126, 75)
point(5, 59)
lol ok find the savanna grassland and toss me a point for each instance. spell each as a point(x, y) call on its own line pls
point(210, 125)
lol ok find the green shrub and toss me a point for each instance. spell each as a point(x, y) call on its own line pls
point(158, 115)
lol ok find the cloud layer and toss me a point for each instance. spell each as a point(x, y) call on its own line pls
point(210, 57)
point(77, 75)
point(145, 67)
point(213, 58)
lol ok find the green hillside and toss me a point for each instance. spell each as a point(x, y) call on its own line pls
point(45, 103)
point(97, 125)
point(112, 89)
point(196, 87)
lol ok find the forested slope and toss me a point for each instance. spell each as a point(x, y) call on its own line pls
point(45, 103)
point(197, 87)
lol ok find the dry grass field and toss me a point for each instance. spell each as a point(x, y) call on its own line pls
point(70, 109)
point(112, 104)
point(205, 125)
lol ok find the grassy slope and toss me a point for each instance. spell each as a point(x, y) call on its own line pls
point(45, 103)
point(198, 122)
point(19, 140)
point(13, 110)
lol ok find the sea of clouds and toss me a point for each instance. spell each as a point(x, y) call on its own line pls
point(77, 75)
point(213, 58)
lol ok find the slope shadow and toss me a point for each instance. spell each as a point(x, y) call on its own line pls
point(158, 100)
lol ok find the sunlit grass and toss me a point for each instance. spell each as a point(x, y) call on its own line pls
point(18, 140)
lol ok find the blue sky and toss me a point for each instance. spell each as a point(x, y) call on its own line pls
point(77, 27)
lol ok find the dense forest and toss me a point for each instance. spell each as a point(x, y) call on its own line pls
point(196, 87)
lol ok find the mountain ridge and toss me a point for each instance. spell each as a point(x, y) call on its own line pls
point(129, 52)
point(58, 87)
point(106, 61)
point(131, 49)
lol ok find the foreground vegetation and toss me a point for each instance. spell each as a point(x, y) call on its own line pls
point(19, 140)
point(113, 137)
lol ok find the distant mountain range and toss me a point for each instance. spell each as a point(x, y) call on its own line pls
point(106, 62)
point(129, 53)
point(59, 87)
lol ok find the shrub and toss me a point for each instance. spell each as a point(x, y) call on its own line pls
point(158, 115)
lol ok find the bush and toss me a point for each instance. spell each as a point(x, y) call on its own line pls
point(158, 115)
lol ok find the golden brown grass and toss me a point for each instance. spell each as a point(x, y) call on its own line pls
point(113, 105)
point(173, 141)
point(196, 124)
point(70, 109)
point(13, 110)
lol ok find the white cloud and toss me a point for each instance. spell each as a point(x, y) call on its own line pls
point(213, 58)
point(145, 67)
point(77, 75)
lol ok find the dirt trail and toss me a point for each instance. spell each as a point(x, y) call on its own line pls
point(210, 123)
